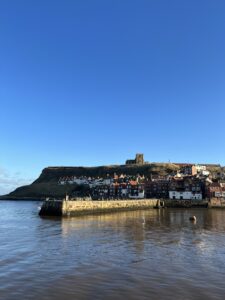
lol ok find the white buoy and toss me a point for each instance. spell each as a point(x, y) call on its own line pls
point(193, 218)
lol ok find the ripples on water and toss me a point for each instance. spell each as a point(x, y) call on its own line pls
point(154, 254)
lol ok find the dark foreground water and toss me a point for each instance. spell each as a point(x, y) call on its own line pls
point(154, 254)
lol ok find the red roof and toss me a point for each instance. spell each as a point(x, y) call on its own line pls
point(132, 182)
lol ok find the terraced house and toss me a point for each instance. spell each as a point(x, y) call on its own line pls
point(186, 188)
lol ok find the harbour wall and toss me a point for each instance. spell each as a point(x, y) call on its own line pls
point(77, 208)
point(86, 207)
point(52, 208)
point(175, 203)
point(217, 203)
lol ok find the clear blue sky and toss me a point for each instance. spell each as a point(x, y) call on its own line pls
point(92, 82)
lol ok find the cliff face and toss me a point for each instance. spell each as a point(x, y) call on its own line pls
point(47, 183)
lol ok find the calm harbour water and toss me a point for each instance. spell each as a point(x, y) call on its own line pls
point(153, 254)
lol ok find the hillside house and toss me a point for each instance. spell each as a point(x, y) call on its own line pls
point(186, 188)
point(157, 188)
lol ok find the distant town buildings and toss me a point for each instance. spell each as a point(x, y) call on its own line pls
point(189, 182)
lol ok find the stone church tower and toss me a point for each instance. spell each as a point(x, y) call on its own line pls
point(139, 159)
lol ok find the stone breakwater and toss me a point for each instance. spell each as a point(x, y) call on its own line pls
point(77, 208)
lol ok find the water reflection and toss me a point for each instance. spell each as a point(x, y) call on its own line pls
point(163, 227)
point(134, 254)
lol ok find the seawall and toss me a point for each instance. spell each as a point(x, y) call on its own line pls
point(67, 208)
point(172, 203)
point(51, 208)
point(217, 203)
point(77, 208)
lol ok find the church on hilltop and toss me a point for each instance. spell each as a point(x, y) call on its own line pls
point(139, 160)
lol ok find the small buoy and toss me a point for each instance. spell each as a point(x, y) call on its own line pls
point(193, 218)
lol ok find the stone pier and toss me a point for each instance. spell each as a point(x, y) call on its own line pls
point(77, 208)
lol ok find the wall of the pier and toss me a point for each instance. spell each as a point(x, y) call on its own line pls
point(185, 203)
point(77, 208)
point(73, 208)
point(51, 208)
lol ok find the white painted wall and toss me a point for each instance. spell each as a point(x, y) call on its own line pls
point(141, 195)
point(200, 168)
point(186, 195)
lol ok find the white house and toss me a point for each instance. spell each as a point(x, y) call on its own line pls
point(200, 168)
point(140, 195)
point(62, 181)
point(124, 192)
point(205, 173)
point(80, 181)
point(107, 181)
point(185, 195)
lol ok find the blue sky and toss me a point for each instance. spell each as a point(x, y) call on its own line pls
point(92, 82)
